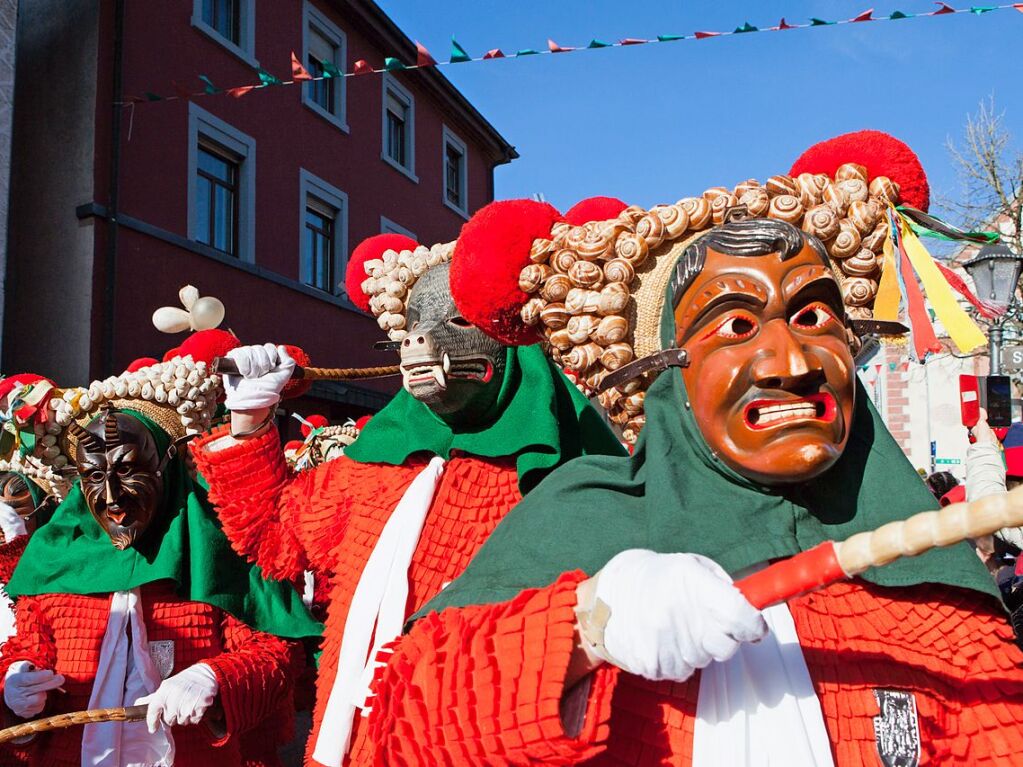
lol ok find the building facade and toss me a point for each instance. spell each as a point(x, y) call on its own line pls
point(256, 200)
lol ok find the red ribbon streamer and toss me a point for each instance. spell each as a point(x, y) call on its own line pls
point(962, 289)
point(924, 338)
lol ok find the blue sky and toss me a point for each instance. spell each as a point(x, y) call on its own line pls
point(658, 122)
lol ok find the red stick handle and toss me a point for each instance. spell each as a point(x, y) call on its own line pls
point(807, 571)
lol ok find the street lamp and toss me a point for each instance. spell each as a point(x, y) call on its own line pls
point(995, 271)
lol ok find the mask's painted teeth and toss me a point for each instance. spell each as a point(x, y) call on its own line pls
point(778, 413)
point(446, 363)
point(438, 373)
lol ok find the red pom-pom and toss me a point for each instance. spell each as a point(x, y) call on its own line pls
point(880, 153)
point(314, 421)
point(367, 250)
point(491, 250)
point(172, 353)
point(361, 423)
point(594, 209)
point(141, 362)
point(296, 387)
point(293, 445)
point(207, 345)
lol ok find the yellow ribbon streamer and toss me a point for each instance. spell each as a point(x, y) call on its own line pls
point(886, 303)
point(958, 324)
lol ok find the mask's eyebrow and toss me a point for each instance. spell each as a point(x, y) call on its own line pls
point(822, 288)
point(799, 278)
point(728, 289)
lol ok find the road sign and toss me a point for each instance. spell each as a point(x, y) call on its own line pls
point(947, 461)
point(1012, 358)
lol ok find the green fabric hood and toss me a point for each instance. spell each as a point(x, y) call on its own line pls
point(539, 417)
point(673, 495)
point(72, 554)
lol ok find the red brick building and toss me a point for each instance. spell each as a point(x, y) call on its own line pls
point(256, 200)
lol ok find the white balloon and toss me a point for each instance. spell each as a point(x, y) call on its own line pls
point(207, 313)
point(188, 295)
point(169, 319)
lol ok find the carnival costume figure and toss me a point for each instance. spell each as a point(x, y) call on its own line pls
point(599, 624)
point(402, 512)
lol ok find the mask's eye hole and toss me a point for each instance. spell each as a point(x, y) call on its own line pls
point(734, 327)
point(460, 322)
point(97, 476)
point(813, 317)
point(123, 470)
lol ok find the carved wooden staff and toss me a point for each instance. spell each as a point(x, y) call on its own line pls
point(73, 719)
point(227, 366)
point(834, 561)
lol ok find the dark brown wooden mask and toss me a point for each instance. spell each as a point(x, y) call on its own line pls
point(118, 462)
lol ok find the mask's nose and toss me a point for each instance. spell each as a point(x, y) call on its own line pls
point(789, 365)
point(419, 345)
point(109, 486)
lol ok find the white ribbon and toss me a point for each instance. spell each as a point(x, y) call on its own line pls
point(125, 673)
point(379, 600)
point(759, 708)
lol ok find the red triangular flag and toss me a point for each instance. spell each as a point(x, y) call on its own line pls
point(240, 91)
point(553, 47)
point(1018, 7)
point(362, 68)
point(632, 41)
point(298, 72)
point(704, 35)
point(423, 57)
point(494, 53)
point(784, 24)
point(865, 16)
point(945, 8)
point(877, 368)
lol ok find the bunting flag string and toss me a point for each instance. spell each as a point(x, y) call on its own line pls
point(458, 55)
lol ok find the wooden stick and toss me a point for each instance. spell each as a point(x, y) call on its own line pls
point(73, 719)
point(831, 561)
point(227, 366)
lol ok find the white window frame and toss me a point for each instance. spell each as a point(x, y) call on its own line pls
point(391, 84)
point(314, 17)
point(387, 226)
point(451, 139)
point(203, 124)
point(313, 186)
point(246, 48)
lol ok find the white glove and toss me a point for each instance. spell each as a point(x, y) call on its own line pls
point(265, 370)
point(25, 688)
point(182, 698)
point(11, 523)
point(671, 614)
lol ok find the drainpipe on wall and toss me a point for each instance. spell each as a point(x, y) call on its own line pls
point(110, 277)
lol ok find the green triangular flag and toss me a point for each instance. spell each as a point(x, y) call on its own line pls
point(746, 27)
point(329, 69)
point(210, 87)
point(526, 52)
point(820, 23)
point(900, 15)
point(150, 96)
point(598, 44)
point(266, 78)
point(458, 54)
point(669, 38)
point(392, 64)
point(979, 9)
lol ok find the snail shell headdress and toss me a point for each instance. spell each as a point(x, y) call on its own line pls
point(593, 292)
point(179, 395)
point(381, 273)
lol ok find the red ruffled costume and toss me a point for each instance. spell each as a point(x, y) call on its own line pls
point(328, 519)
point(64, 632)
point(483, 684)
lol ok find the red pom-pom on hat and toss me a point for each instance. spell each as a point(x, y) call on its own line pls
point(293, 445)
point(367, 250)
point(172, 353)
point(491, 251)
point(206, 345)
point(594, 209)
point(314, 421)
point(360, 424)
point(296, 387)
point(142, 362)
point(880, 153)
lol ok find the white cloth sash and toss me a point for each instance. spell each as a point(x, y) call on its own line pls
point(759, 708)
point(125, 673)
point(379, 600)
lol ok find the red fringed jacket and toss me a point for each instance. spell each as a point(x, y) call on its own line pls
point(483, 685)
point(328, 519)
point(64, 632)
